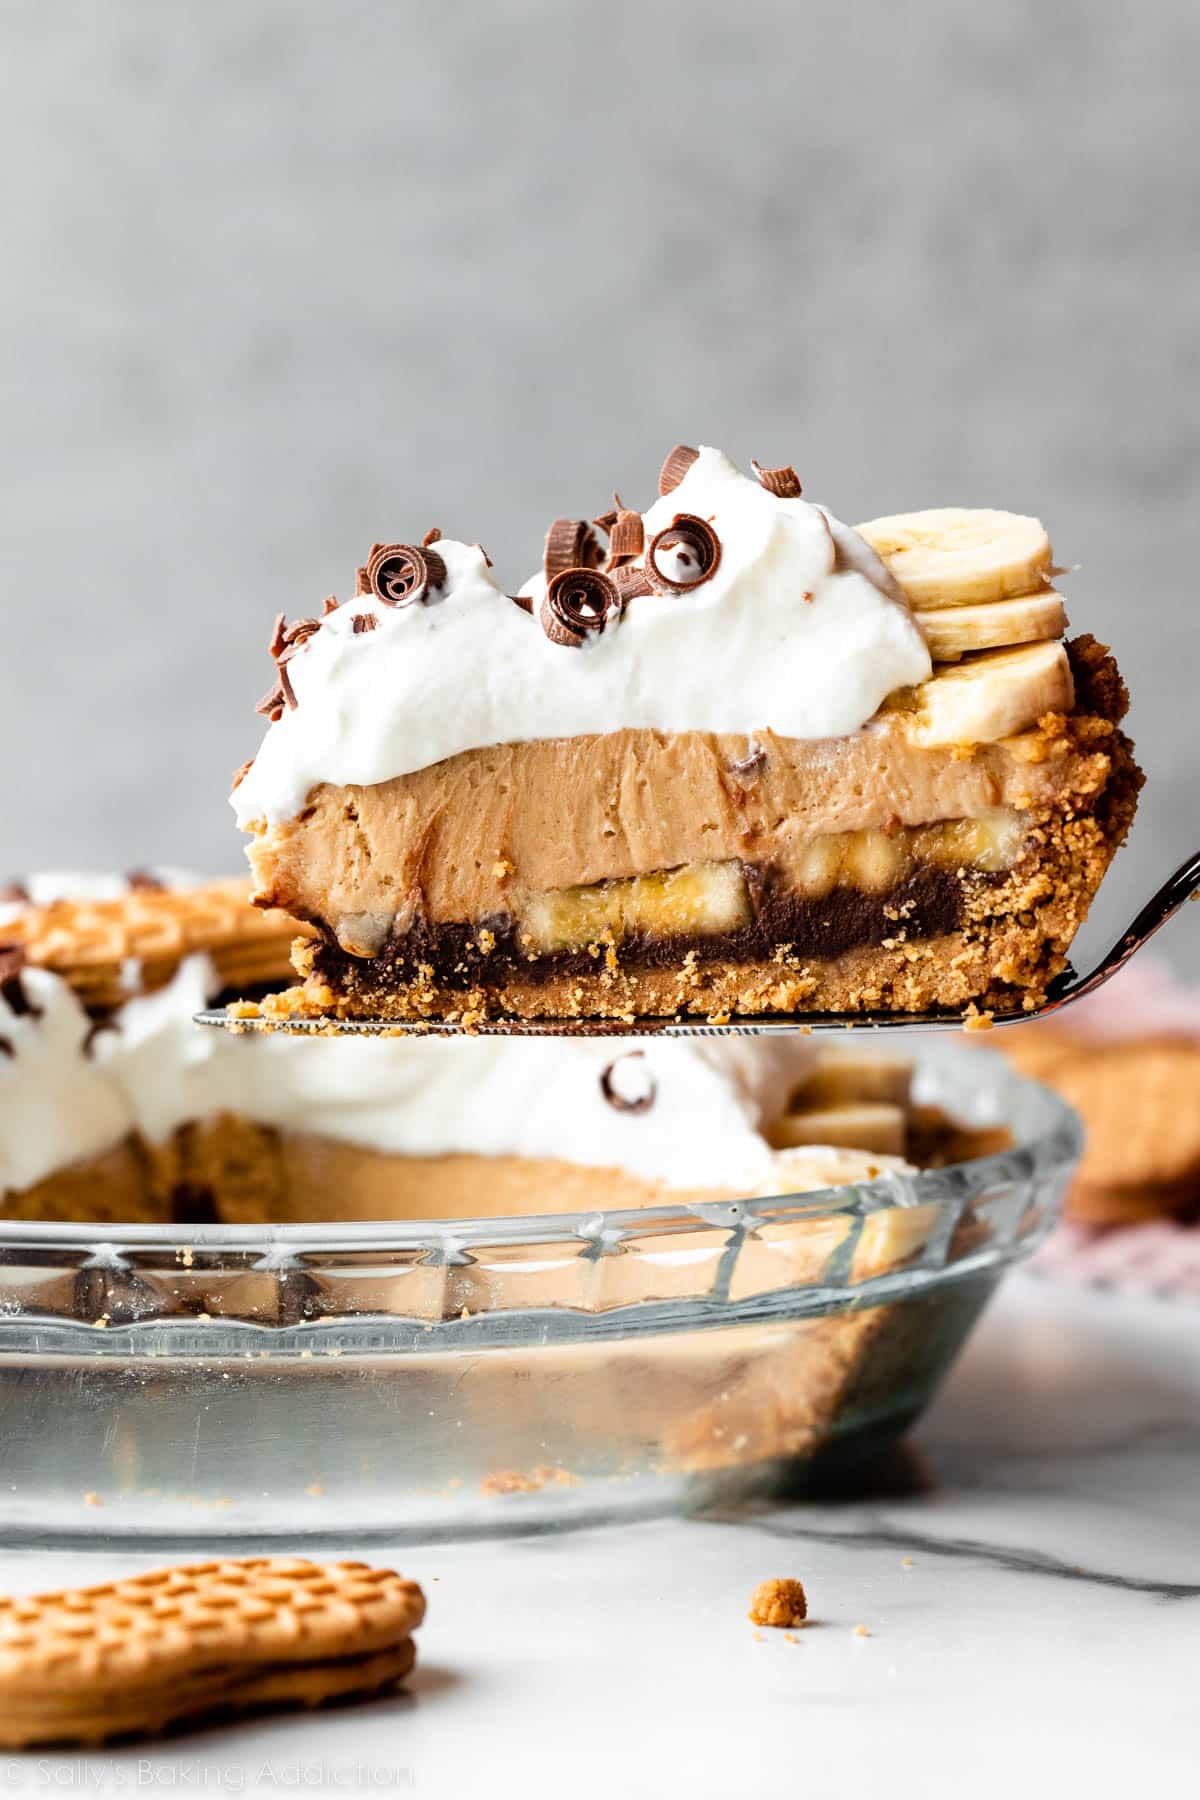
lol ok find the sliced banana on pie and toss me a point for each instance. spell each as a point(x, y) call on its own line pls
point(962, 556)
point(954, 631)
point(993, 695)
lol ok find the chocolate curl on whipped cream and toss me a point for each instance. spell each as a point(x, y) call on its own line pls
point(783, 483)
point(570, 544)
point(682, 555)
point(286, 640)
point(630, 583)
point(12, 988)
point(678, 462)
point(627, 539)
point(628, 1085)
point(402, 574)
point(579, 603)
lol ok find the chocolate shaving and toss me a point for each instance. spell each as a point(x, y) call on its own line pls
point(272, 703)
point(12, 988)
point(619, 1101)
point(431, 537)
point(239, 775)
point(329, 604)
point(699, 558)
point(286, 640)
point(678, 462)
point(362, 582)
point(15, 893)
point(6, 1047)
point(627, 539)
point(783, 483)
point(570, 544)
point(750, 764)
point(402, 575)
point(579, 602)
point(487, 559)
point(524, 601)
point(295, 636)
point(364, 622)
point(630, 583)
point(143, 881)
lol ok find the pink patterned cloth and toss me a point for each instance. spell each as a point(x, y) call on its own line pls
point(1145, 1000)
point(1161, 1257)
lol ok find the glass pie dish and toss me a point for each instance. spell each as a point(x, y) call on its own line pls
point(416, 1380)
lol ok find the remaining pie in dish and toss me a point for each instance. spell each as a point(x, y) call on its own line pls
point(131, 1113)
point(727, 756)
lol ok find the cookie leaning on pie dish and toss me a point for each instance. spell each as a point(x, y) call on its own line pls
point(738, 759)
point(87, 1664)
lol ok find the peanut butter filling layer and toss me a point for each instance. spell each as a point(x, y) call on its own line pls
point(511, 832)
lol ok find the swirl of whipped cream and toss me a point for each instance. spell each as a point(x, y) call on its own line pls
point(798, 631)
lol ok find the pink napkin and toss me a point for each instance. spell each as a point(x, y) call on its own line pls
point(1145, 1000)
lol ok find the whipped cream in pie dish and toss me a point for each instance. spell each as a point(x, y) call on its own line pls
point(138, 1114)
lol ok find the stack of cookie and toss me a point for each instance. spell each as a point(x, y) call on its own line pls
point(1128, 1060)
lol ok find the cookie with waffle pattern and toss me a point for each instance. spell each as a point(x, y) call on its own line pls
point(82, 1665)
point(108, 949)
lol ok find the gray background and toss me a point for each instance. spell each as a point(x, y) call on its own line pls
point(279, 279)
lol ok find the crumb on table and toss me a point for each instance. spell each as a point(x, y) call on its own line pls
point(779, 1601)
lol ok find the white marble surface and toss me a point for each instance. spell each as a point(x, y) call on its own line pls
point(1041, 1638)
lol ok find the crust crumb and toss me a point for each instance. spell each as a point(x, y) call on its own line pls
point(780, 1601)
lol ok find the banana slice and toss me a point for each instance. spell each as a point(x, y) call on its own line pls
point(839, 1080)
point(865, 1126)
point(992, 695)
point(956, 630)
point(961, 556)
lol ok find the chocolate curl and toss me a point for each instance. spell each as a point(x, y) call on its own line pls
point(12, 988)
point(630, 583)
point(639, 1103)
point(783, 483)
point(578, 602)
point(570, 544)
point(627, 539)
point(699, 558)
point(295, 636)
point(431, 537)
point(678, 462)
point(402, 574)
point(362, 582)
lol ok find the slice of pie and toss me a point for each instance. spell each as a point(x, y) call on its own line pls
point(729, 756)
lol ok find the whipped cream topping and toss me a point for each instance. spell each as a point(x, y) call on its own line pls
point(800, 631)
point(58, 1104)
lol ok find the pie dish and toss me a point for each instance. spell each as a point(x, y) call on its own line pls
point(728, 756)
point(422, 1379)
